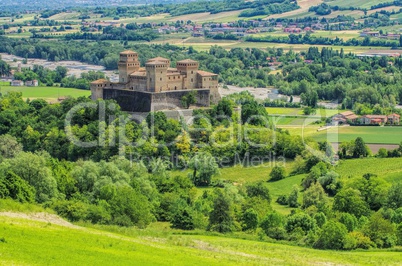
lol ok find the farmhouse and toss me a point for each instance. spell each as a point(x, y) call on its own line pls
point(32, 83)
point(374, 119)
point(344, 118)
point(394, 119)
point(156, 86)
point(17, 83)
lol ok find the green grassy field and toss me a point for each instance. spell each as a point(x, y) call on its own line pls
point(28, 241)
point(47, 93)
point(381, 135)
point(387, 168)
point(299, 111)
point(355, 3)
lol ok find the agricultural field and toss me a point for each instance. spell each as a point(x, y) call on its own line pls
point(202, 44)
point(355, 3)
point(301, 12)
point(380, 135)
point(48, 93)
point(299, 111)
point(371, 135)
point(388, 168)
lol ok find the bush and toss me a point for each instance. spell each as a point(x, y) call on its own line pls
point(333, 236)
point(300, 220)
point(293, 196)
point(250, 219)
point(183, 219)
point(277, 173)
point(72, 210)
point(282, 200)
point(361, 241)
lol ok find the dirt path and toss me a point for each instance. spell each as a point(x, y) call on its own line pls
point(40, 217)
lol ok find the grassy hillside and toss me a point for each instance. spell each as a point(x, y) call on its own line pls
point(32, 241)
point(389, 168)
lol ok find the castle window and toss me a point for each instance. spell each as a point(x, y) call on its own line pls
point(192, 80)
point(161, 79)
point(192, 72)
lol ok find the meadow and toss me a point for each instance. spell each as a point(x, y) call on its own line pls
point(47, 93)
point(50, 243)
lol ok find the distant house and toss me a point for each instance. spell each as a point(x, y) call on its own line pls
point(17, 83)
point(394, 119)
point(374, 119)
point(198, 34)
point(344, 118)
point(32, 83)
point(292, 30)
point(370, 34)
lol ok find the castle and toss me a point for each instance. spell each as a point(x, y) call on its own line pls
point(157, 86)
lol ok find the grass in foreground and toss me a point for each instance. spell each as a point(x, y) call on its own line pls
point(34, 242)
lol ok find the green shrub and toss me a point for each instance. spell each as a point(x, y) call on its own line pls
point(277, 173)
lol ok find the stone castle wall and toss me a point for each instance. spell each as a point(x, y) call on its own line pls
point(137, 101)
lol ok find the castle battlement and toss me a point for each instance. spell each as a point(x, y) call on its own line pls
point(157, 76)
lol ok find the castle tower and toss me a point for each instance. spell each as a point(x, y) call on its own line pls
point(128, 64)
point(189, 68)
point(156, 76)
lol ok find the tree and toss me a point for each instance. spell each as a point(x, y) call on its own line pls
point(381, 231)
point(12, 186)
point(372, 188)
point(224, 108)
point(183, 219)
point(189, 99)
point(33, 169)
point(360, 148)
point(254, 114)
point(293, 196)
point(300, 220)
point(272, 225)
point(250, 219)
point(129, 207)
point(9, 146)
point(277, 173)
point(309, 110)
point(221, 218)
point(350, 200)
point(258, 189)
point(204, 167)
point(394, 196)
point(349, 220)
point(332, 237)
point(5, 69)
point(315, 196)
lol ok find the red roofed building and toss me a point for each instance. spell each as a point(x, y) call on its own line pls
point(374, 119)
point(394, 119)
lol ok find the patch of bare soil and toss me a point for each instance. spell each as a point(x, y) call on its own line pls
point(40, 217)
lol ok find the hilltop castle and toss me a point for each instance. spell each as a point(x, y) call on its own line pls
point(157, 86)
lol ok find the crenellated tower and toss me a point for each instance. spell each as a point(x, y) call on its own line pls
point(128, 64)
